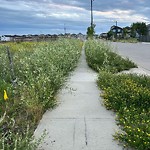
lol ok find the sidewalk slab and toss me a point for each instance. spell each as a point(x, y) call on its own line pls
point(80, 122)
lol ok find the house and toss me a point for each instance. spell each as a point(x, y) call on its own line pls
point(6, 38)
point(73, 35)
point(80, 36)
point(117, 31)
point(103, 35)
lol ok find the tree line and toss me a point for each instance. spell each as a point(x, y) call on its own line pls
point(138, 28)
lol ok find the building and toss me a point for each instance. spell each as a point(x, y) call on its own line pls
point(117, 31)
point(6, 38)
point(103, 35)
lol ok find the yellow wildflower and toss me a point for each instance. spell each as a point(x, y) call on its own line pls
point(139, 130)
point(5, 95)
point(148, 134)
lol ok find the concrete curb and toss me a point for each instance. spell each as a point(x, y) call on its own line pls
point(138, 71)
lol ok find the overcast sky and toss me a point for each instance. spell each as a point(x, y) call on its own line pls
point(50, 16)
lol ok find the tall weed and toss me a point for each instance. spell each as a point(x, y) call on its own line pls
point(100, 56)
point(40, 71)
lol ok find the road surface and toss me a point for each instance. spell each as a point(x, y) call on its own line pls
point(137, 52)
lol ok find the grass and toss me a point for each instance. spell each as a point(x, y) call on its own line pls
point(40, 70)
point(128, 40)
point(126, 94)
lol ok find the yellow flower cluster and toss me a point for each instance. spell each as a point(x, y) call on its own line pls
point(5, 95)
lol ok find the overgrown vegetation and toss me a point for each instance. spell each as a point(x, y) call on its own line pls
point(127, 95)
point(39, 70)
point(128, 40)
point(99, 56)
point(139, 28)
point(91, 31)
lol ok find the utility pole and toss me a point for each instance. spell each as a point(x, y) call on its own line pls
point(92, 13)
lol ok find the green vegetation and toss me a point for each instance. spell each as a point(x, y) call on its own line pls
point(128, 40)
point(99, 57)
point(129, 34)
point(37, 71)
point(127, 95)
point(138, 27)
point(91, 31)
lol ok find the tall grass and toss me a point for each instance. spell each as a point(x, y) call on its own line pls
point(40, 70)
point(100, 56)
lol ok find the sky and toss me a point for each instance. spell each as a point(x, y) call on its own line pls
point(52, 16)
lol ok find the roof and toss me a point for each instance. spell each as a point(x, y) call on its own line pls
point(116, 27)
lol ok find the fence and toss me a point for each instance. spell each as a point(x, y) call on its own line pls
point(144, 38)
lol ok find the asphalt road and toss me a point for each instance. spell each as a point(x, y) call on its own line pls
point(137, 52)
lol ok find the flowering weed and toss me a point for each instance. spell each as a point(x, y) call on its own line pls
point(40, 69)
point(127, 95)
point(100, 56)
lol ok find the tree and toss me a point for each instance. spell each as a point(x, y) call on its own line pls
point(126, 32)
point(91, 31)
point(110, 34)
point(138, 27)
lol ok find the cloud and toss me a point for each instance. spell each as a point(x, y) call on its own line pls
point(121, 15)
point(49, 16)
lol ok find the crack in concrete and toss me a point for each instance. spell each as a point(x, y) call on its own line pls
point(86, 138)
point(79, 118)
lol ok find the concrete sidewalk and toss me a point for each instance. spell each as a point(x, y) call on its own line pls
point(80, 122)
